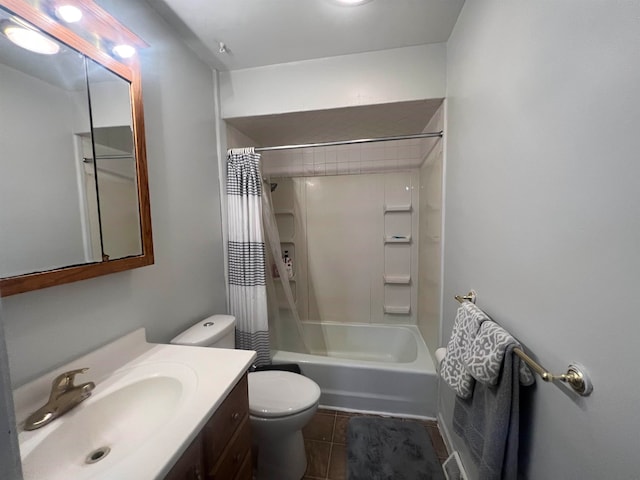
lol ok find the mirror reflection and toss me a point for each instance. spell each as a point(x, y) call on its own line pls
point(68, 186)
point(110, 168)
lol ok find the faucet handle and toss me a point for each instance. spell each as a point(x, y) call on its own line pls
point(65, 379)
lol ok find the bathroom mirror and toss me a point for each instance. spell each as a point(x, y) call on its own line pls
point(74, 200)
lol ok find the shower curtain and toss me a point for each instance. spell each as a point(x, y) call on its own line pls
point(247, 287)
point(272, 240)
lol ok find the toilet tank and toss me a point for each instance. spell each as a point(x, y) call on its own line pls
point(215, 331)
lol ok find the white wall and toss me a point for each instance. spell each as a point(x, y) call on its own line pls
point(46, 328)
point(119, 215)
point(402, 74)
point(542, 213)
point(110, 104)
point(237, 139)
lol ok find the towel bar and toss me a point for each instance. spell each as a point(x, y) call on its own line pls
point(576, 375)
point(471, 297)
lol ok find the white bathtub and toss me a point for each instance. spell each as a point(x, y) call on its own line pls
point(375, 368)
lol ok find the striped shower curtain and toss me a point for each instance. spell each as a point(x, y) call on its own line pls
point(247, 286)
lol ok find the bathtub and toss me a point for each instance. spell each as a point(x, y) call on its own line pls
point(364, 367)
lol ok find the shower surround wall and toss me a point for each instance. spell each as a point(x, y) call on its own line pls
point(374, 157)
point(430, 239)
point(334, 229)
point(349, 219)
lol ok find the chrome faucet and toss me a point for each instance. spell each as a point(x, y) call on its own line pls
point(64, 396)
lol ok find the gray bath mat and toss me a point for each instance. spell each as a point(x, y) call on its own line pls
point(390, 449)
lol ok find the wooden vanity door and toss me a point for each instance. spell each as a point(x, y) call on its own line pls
point(191, 465)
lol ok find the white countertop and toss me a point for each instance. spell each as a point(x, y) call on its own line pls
point(209, 375)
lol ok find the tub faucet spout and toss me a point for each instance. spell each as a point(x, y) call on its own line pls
point(63, 397)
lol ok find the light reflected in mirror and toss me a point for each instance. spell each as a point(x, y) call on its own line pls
point(73, 187)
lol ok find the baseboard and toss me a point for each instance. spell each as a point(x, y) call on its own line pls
point(444, 431)
point(453, 468)
point(454, 456)
point(377, 412)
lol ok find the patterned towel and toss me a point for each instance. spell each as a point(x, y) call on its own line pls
point(486, 355)
point(452, 369)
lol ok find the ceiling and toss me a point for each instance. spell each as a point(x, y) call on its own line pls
point(267, 32)
point(369, 121)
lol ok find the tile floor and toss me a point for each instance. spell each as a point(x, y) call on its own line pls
point(325, 442)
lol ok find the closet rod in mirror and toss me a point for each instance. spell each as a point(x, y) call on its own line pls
point(107, 157)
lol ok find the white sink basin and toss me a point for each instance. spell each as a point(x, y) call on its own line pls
point(150, 402)
point(111, 425)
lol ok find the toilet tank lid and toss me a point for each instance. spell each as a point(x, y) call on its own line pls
point(207, 331)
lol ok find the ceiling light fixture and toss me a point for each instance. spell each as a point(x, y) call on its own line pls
point(68, 13)
point(124, 51)
point(23, 35)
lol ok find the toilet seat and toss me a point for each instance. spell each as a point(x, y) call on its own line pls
point(275, 393)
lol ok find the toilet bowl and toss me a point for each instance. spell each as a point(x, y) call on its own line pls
point(280, 404)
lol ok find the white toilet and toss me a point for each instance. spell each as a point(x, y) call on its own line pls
point(280, 404)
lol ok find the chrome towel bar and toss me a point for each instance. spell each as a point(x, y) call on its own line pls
point(576, 375)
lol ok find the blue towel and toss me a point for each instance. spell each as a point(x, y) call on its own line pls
point(488, 422)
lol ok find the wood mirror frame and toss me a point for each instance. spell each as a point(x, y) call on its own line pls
point(97, 24)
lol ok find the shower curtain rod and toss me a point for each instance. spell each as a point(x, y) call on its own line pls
point(351, 142)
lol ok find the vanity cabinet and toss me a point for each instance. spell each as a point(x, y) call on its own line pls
point(222, 449)
point(191, 465)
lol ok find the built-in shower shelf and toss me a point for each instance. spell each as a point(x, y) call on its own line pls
point(397, 208)
point(284, 306)
point(291, 279)
point(283, 211)
point(397, 279)
point(397, 239)
point(285, 222)
point(397, 310)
